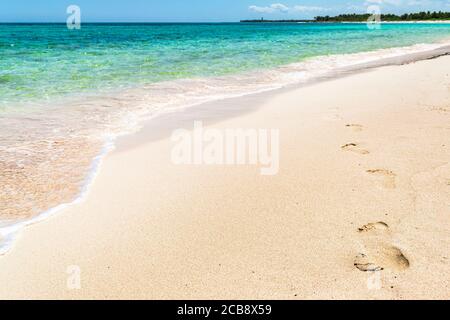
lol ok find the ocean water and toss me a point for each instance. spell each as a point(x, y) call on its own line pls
point(40, 62)
point(64, 93)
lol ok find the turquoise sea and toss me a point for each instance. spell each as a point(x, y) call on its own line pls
point(42, 61)
point(64, 93)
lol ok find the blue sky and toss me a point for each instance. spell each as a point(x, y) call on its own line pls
point(199, 10)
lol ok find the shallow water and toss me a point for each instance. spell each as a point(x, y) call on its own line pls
point(63, 93)
point(39, 62)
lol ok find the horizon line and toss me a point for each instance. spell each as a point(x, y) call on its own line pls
point(313, 19)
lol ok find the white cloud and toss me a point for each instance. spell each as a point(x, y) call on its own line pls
point(279, 7)
point(276, 7)
point(309, 8)
point(423, 3)
point(388, 2)
point(356, 6)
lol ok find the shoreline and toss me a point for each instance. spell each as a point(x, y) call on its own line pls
point(9, 231)
point(67, 226)
point(352, 22)
point(408, 22)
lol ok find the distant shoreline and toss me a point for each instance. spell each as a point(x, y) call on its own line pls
point(220, 22)
point(417, 17)
point(362, 22)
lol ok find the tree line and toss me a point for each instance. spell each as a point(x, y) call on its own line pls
point(386, 17)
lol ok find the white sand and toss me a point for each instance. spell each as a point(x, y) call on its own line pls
point(150, 229)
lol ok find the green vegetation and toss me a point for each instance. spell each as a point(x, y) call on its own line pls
point(419, 16)
point(387, 17)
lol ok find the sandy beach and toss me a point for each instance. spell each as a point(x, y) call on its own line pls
point(358, 210)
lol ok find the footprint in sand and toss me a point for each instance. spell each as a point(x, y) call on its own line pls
point(374, 227)
point(355, 127)
point(387, 176)
point(384, 257)
point(354, 147)
point(440, 109)
point(379, 253)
